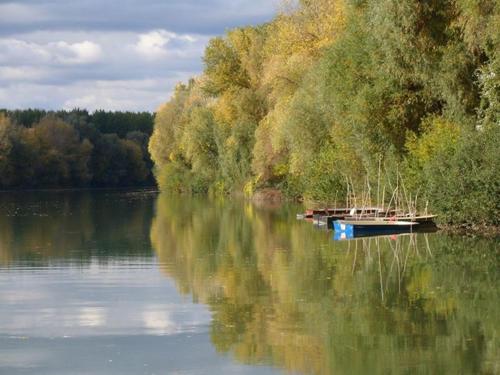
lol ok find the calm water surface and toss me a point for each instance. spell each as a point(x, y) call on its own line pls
point(139, 283)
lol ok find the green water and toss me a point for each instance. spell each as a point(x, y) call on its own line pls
point(139, 283)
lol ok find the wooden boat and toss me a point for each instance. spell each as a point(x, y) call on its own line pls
point(326, 211)
point(328, 220)
point(363, 211)
point(421, 219)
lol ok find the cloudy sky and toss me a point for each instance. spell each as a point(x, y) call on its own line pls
point(109, 54)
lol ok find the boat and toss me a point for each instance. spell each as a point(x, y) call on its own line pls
point(374, 226)
point(328, 220)
point(421, 219)
point(375, 218)
point(345, 212)
point(310, 213)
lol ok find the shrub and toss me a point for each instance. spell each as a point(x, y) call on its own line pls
point(457, 171)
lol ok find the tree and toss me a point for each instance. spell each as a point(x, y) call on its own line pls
point(6, 139)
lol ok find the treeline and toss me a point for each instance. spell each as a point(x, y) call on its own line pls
point(332, 91)
point(68, 149)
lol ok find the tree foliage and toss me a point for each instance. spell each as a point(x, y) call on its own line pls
point(40, 149)
point(330, 90)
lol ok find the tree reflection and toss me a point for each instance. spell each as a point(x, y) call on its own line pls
point(46, 226)
point(285, 294)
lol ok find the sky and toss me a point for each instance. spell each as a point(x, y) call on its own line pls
point(109, 54)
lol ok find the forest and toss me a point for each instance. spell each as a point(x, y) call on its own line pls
point(332, 96)
point(73, 149)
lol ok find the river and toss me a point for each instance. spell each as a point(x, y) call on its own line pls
point(123, 282)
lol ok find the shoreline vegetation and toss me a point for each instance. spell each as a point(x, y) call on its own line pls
point(336, 97)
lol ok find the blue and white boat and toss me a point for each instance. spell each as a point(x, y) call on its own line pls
point(354, 227)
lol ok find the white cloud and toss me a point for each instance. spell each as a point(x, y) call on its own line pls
point(17, 52)
point(134, 95)
point(119, 95)
point(78, 53)
point(59, 52)
point(152, 45)
point(155, 44)
point(22, 73)
point(14, 13)
point(95, 70)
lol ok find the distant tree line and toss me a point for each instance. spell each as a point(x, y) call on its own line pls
point(332, 91)
point(67, 149)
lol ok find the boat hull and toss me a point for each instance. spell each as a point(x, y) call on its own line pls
point(372, 227)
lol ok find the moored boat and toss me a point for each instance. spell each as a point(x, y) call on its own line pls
point(421, 219)
point(327, 221)
point(378, 226)
point(346, 212)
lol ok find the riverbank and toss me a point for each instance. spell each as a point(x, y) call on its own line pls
point(275, 196)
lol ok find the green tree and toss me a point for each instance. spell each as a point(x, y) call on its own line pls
point(330, 92)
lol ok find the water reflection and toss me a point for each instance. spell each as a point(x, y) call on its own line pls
point(81, 292)
point(282, 293)
point(105, 282)
point(43, 226)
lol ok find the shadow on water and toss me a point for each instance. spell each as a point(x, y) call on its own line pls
point(285, 294)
